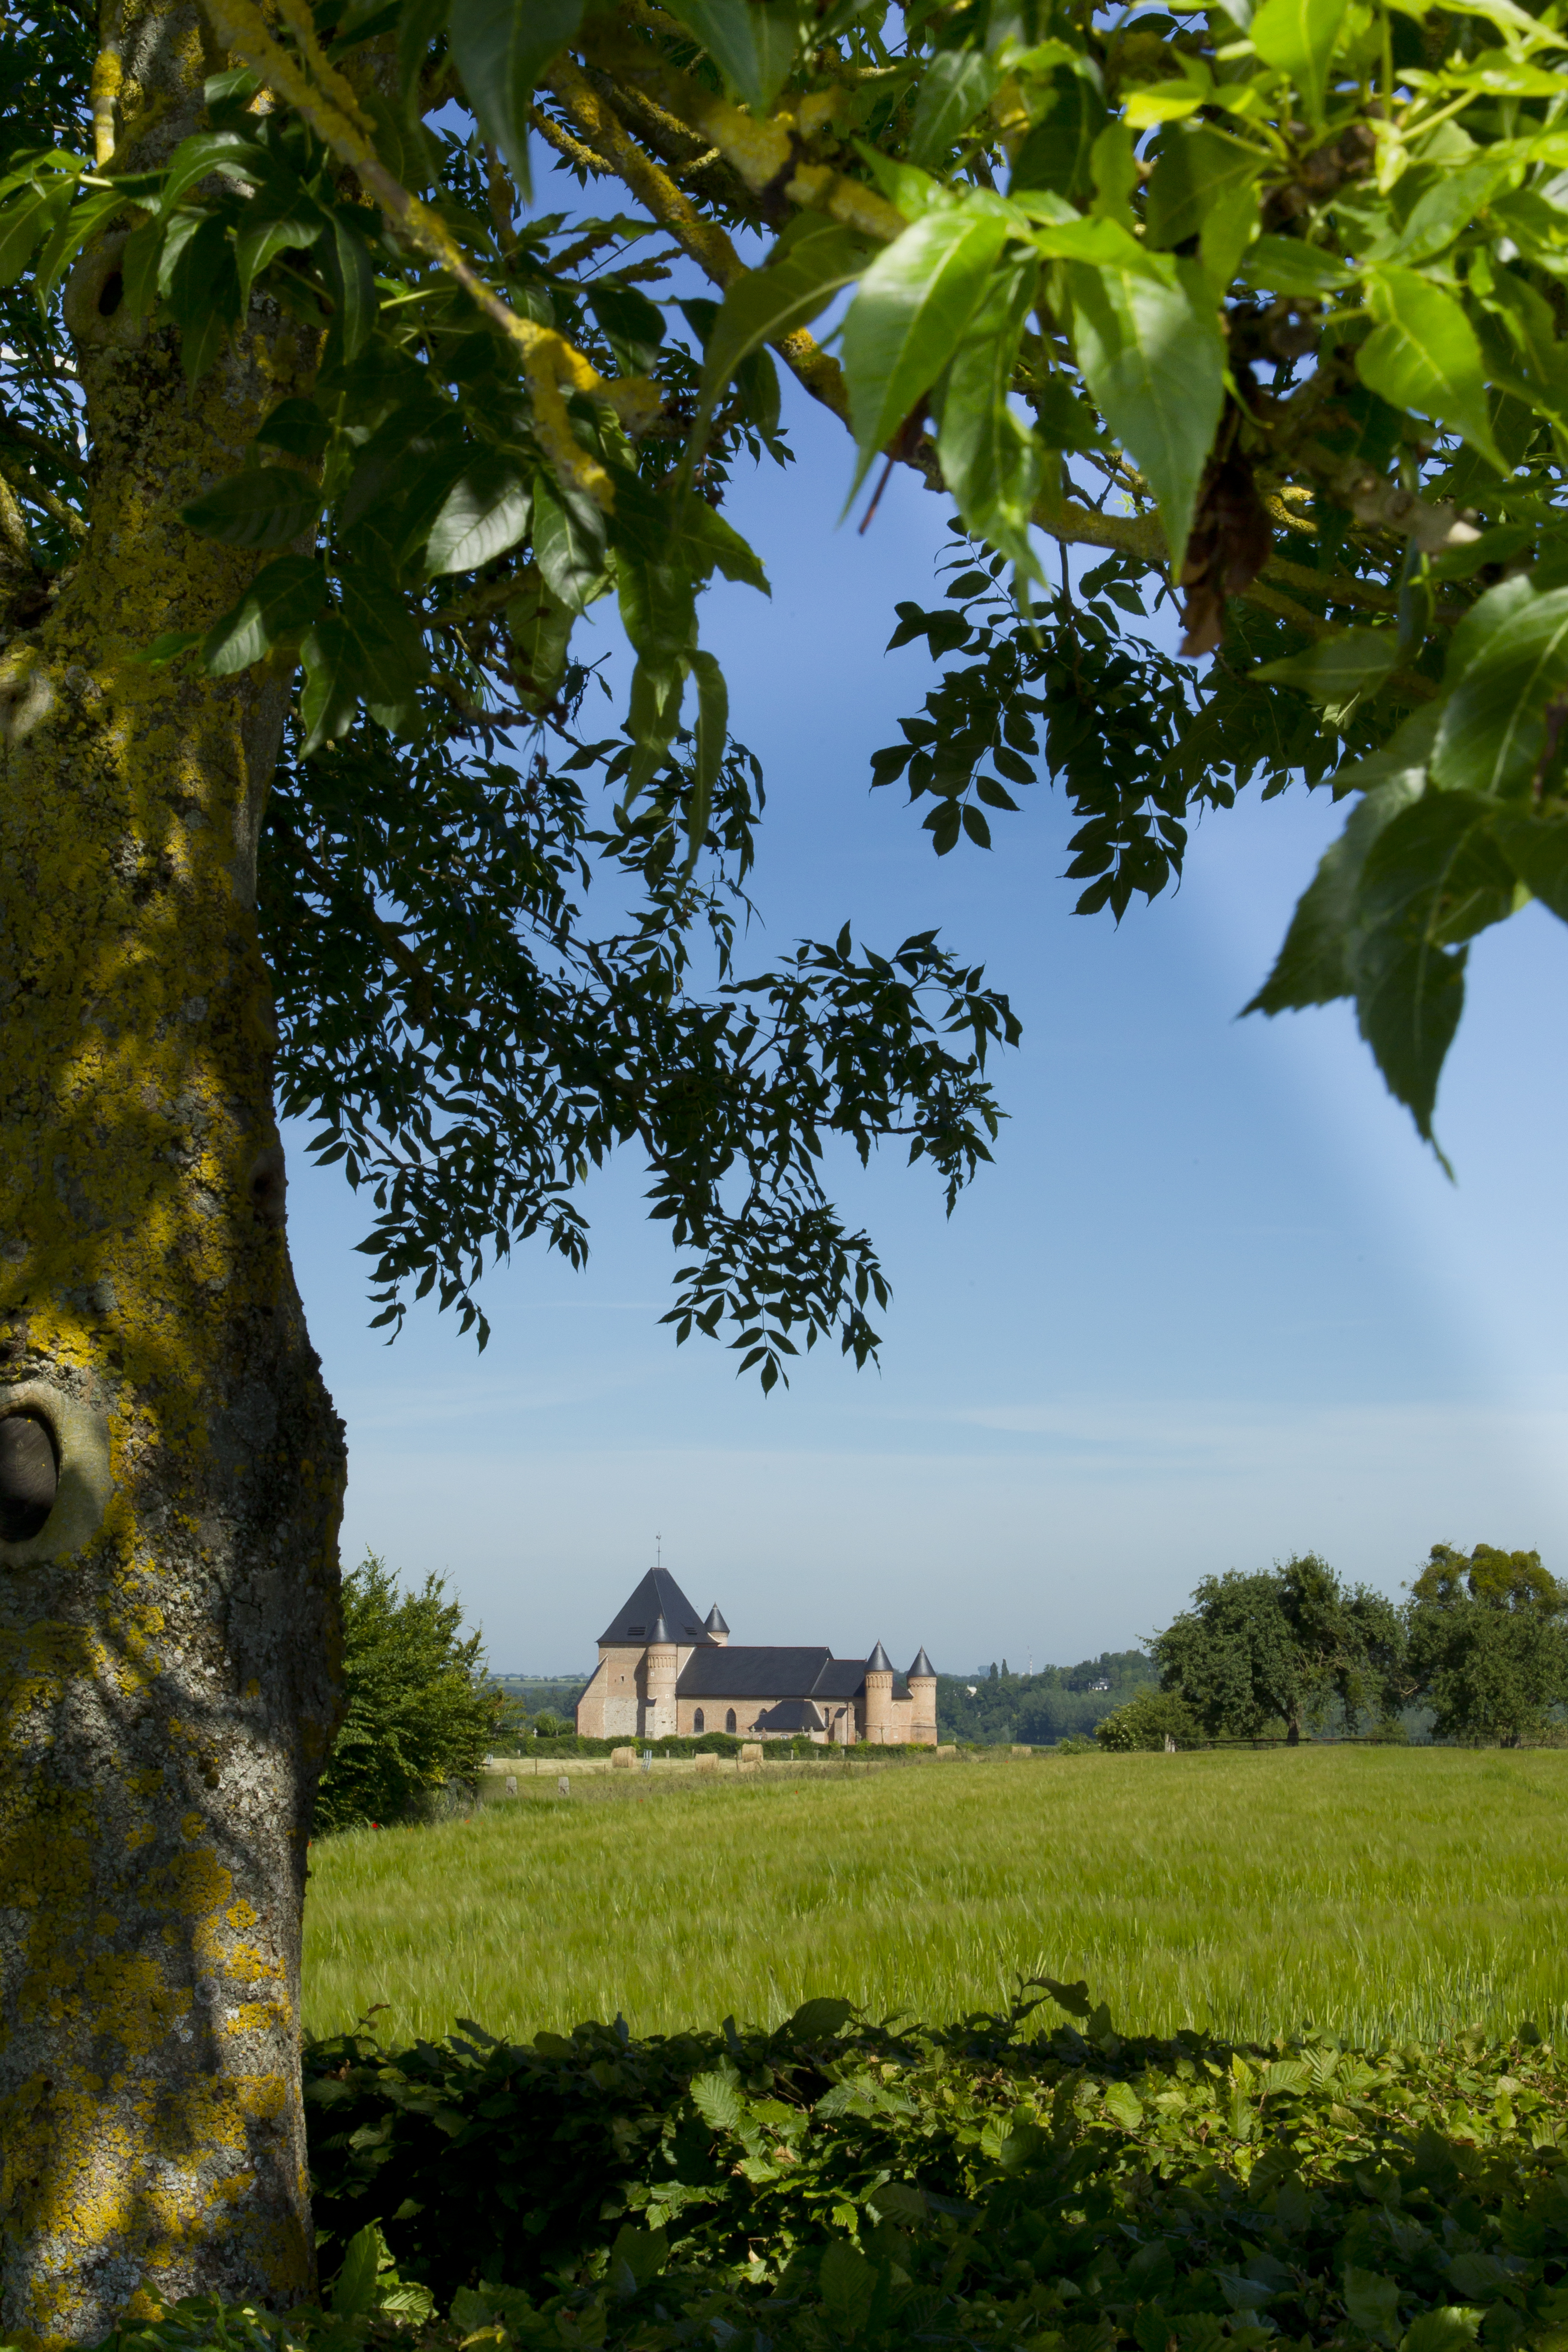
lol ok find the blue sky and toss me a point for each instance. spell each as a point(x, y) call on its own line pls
point(1214, 1303)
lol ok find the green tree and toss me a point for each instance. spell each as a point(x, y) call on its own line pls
point(1349, 1644)
point(317, 437)
point(419, 1709)
point(1232, 1658)
point(1278, 1647)
point(1489, 1643)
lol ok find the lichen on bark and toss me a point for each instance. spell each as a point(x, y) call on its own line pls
point(167, 1687)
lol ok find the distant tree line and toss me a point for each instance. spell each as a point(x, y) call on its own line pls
point(996, 1706)
point(1481, 1643)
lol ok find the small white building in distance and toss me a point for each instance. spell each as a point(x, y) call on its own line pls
point(664, 1673)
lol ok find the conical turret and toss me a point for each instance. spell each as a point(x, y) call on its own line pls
point(715, 1627)
point(879, 1698)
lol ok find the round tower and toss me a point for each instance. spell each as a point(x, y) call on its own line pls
point(923, 1693)
point(879, 1698)
point(659, 1682)
point(715, 1627)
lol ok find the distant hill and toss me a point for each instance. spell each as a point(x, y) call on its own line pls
point(542, 1694)
point(996, 1707)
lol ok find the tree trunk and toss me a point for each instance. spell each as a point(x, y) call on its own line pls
point(169, 1630)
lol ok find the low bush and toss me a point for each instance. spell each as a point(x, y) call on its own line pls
point(1147, 1722)
point(838, 2183)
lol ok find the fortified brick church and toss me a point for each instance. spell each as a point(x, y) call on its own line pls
point(663, 1672)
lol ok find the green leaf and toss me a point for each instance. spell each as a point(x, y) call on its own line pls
point(634, 326)
point(539, 626)
point(1536, 846)
point(712, 729)
point(1372, 2302)
point(818, 2020)
point(991, 461)
point(350, 276)
point(914, 304)
point(1299, 38)
point(70, 234)
point(168, 647)
point(264, 506)
point(354, 2288)
point(1449, 205)
point(1434, 878)
point(1056, 149)
point(1337, 669)
point(501, 47)
point(229, 151)
point(569, 546)
point(1154, 362)
point(1423, 355)
point(299, 427)
point(286, 596)
point(805, 270)
point(1494, 724)
point(956, 86)
point(1283, 265)
point(1073, 1998)
point(708, 541)
point(1314, 966)
point(718, 2102)
point(1451, 2328)
point(1197, 170)
point(753, 45)
point(330, 693)
point(485, 512)
point(849, 2283)
point(279, 219)
point(1122, 2106)
point(26, 219)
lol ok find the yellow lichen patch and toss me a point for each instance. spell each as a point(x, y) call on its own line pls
point(263, 2096)
point(137, 2008)
point(193, 1826)
point(241, 1915)
point(255, 2017)
point(139, 1834)
point(106, 1924)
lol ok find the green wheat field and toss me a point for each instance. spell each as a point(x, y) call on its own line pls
point(1379, 1893)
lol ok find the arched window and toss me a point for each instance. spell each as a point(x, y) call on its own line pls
point(729, 1721)
point(697, 1721)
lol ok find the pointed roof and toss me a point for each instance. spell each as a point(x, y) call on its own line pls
point(923, 1665)
point(713, 1622)
point(879, 1663)
point(658, 1597)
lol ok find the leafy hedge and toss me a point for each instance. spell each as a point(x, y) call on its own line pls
point(839, 2183)
point(713, 1743)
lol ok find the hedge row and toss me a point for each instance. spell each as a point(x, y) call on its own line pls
point(1055, 2187)
point(709, 1743)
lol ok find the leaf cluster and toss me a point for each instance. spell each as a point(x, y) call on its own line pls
point(841, 2183)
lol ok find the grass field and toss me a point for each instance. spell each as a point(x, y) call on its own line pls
point(1378, 1892)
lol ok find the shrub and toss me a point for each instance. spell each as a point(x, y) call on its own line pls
point(1146, 1722)
point(420, 1710)
point(1005, 2180)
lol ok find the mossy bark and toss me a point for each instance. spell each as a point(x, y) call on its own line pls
point(168, 1656)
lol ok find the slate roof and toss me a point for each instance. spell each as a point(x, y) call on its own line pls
point(879, 1663)
point(922, 1665)
point(714, 1622)
point(747, 1671)
point(792, 1715)
point(657, 1596)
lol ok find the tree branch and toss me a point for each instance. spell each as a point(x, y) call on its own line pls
point(38, 494)
point(42, 446)
point(707, 245)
